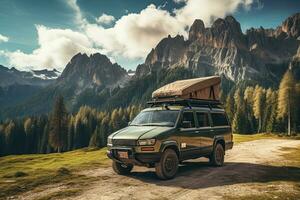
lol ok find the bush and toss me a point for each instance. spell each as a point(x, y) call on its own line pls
point(20, 174)
point(63, 171)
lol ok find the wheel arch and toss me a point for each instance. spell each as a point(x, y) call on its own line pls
point(219, 140)
point(170, 145)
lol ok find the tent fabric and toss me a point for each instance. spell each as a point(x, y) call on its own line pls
point(197, 88)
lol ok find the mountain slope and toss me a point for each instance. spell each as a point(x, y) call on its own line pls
point(86, 80)
point(13, 76)
point(224, 49)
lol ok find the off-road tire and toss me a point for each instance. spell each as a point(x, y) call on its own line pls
point(121, 168)
point(168, 165)
point(217, 156)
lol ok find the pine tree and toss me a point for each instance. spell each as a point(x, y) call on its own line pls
point(115, 120)
point(239, 122)
point(271, 102)
point(286, 98)
point(258, 106)
point(229, 106)
point(248, 98)
point(58, 125)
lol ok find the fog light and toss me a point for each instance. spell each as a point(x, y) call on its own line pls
point(147, 148)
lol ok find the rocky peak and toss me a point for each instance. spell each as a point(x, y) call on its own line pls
point(167, 50)
point(291, 26)
point(95, 69)
point(196, 29)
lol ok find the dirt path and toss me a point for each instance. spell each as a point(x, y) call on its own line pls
point(255, 167)
point(247, 166)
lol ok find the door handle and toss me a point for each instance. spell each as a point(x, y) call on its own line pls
point(197, 131)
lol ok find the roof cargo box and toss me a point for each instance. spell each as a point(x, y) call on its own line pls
point(197, 88)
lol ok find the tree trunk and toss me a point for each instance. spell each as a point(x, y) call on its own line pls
point(289, 114)
point(289, 121)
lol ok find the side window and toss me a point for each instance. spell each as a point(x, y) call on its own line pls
point(219, 119)
point(202, 119)
point(188, 117)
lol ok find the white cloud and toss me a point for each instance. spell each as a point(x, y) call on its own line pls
point(3, 38)
point(179, 1)
point(79, 19)
point(132, 36)
point(208, 10)
point(105, 19)
point(56, 48)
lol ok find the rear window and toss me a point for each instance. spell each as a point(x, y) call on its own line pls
point(202, 119)
point(219, 119)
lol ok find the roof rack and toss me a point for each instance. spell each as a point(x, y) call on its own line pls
point(185, 102)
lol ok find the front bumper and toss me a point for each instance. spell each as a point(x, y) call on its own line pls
point(136, 158)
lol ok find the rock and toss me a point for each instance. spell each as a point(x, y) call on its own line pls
point(224, 49)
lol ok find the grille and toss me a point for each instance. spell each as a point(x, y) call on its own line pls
point(123, 142)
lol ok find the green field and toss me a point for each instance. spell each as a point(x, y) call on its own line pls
point(21, 173)
point(26, 172)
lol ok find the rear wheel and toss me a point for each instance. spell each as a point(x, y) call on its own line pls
point(217, 156)
point(168, 165)
point(121, 168)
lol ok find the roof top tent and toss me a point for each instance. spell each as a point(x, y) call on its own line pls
point(207, 88)
point(197, 91)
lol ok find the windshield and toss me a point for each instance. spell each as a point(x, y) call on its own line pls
point(156, 118)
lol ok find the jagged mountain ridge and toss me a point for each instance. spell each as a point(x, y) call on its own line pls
point(86, 80)
point(13, 76)
point(224, 49)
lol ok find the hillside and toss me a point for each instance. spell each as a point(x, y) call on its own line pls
point(86, 80)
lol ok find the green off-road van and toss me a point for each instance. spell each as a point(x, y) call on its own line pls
point(169, 132)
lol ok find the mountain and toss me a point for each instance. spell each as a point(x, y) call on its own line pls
point(35, 77)
point(86, 80)
point(258, 56)
point(17, 86)
point(224, 49)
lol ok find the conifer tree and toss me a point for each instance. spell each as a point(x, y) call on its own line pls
point(258, 106)
point(271, 104)
point(286, 98)
point(58, 125)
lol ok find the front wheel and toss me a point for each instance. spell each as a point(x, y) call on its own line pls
point(217, 156)
point(168, 165)
point(121, 168)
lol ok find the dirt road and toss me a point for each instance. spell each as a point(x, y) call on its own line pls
point(251, 168)
point(247, 171)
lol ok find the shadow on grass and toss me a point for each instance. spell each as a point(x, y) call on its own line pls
point(195, 175)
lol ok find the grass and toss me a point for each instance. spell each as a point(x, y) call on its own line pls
point(238, 138)
point(21, 173)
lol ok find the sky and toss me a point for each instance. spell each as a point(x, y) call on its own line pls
point(38, 34)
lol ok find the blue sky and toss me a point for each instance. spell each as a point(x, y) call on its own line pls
point(45, 33)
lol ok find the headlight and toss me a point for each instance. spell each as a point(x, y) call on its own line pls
point(146, 142)
point(109, 141)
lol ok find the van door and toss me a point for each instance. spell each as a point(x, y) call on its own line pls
point(204, 131)
point(189, 141)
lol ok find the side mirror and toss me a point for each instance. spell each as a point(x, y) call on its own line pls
point(129, 123)
point(186, 124)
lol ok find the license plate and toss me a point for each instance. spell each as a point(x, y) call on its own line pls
point(123, 154)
